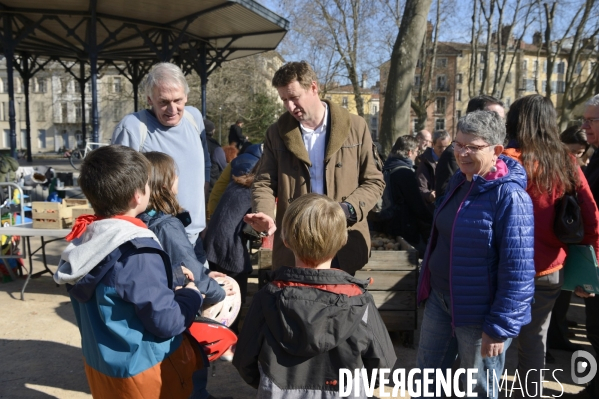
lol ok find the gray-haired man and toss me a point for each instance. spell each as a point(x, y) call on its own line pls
point(171, 127)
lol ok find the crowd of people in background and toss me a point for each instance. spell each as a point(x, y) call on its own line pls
point(479, 208)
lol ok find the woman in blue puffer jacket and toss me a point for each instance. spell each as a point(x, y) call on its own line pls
point(478, 271)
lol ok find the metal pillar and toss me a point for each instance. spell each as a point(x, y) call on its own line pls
point(9, 52)
point(26, 80)
point(82, 91)
point(93, 60)
point(203, 76)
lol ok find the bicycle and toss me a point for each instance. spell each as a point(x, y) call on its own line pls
point(77, 155)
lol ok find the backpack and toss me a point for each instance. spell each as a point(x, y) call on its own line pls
point(385, 207)
point(143, 127)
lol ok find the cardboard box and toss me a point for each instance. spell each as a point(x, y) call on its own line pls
point(82, 210)
point(54, 215)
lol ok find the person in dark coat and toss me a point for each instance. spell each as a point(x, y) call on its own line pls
point(165, 218)
point(425, 173)
point(225, 242)
point(236, 134)
point(411, 219)
point(217, 155)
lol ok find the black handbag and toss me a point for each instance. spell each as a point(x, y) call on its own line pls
point(568, 226)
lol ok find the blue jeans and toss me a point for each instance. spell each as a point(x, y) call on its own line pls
point(439, 347)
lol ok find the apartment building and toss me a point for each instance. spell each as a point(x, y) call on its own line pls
point(56, 111)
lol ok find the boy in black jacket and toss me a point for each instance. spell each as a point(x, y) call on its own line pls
point(311, 320)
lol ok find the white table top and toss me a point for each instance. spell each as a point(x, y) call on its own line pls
point(28, 230)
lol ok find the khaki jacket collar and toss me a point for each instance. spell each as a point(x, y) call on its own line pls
point(337, 129)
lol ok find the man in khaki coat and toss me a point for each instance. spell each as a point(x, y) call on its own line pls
point(316, 146)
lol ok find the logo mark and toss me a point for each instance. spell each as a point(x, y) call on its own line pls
point(580, 366)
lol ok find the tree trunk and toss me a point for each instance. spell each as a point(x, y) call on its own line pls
point(396, 113)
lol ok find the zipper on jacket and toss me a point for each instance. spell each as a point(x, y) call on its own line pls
point(430, 238)
point(451, 256)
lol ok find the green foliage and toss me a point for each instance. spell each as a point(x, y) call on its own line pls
point(263, 112)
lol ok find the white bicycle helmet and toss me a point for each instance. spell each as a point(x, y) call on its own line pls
point(225, 311)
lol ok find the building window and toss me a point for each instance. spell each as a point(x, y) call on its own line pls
point(482, 58)
point(88, 108)
point(441, 62)
point(458, 114)
point(416, 80)
point(41, 111)
point(440, 105)
point(77, 112)
point(535, 66)
point(579, 67)
point(41, 139)
point(440, 124)
point(63, 85)
point(528, 84)
point(545, 66)
point(343, 102)
point(41, 85)
point(24, 139)
point(6, 143)
point(561, 66)
point(4, 85)
point(458, 94)
point(509, 77)
point(459, 78)
point(441, 83)
point(419, 63)
point(116, 85)
point(481, 75)
point(414, 124)
point(118, 111)
point(64, 114)
point(21, 105)
point(561, 86)
point(4, 111)
point(508, 102)
point(525, 65)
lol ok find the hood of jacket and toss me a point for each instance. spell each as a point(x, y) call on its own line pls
point(99, 240)
point(313, 311)
point(509, 170)
point(396, 161)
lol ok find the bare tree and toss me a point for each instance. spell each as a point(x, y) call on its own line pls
point(426, 92)
point(341, 27)
point(578, 46)
point(396, 112)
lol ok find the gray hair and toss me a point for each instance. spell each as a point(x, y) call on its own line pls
point(165, 73)
point(440, 135)
point(487, 125)
point(593, 101)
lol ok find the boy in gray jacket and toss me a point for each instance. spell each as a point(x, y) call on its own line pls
point(311, 320)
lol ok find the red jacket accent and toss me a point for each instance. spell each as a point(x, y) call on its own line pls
point(550, 253)
point(345, 289)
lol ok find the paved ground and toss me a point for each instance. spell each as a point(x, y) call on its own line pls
point(40, 355)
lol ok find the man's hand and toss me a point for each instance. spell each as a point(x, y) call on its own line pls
point(188, 273)
point(490, 347)
point(580, 292)
point(227, 286)
point(261, 222)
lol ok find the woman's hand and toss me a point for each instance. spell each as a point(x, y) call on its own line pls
point(490, 347)
point(579, 291)
point(261, 222)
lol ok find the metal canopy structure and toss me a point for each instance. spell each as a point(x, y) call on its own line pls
point(196, 34)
